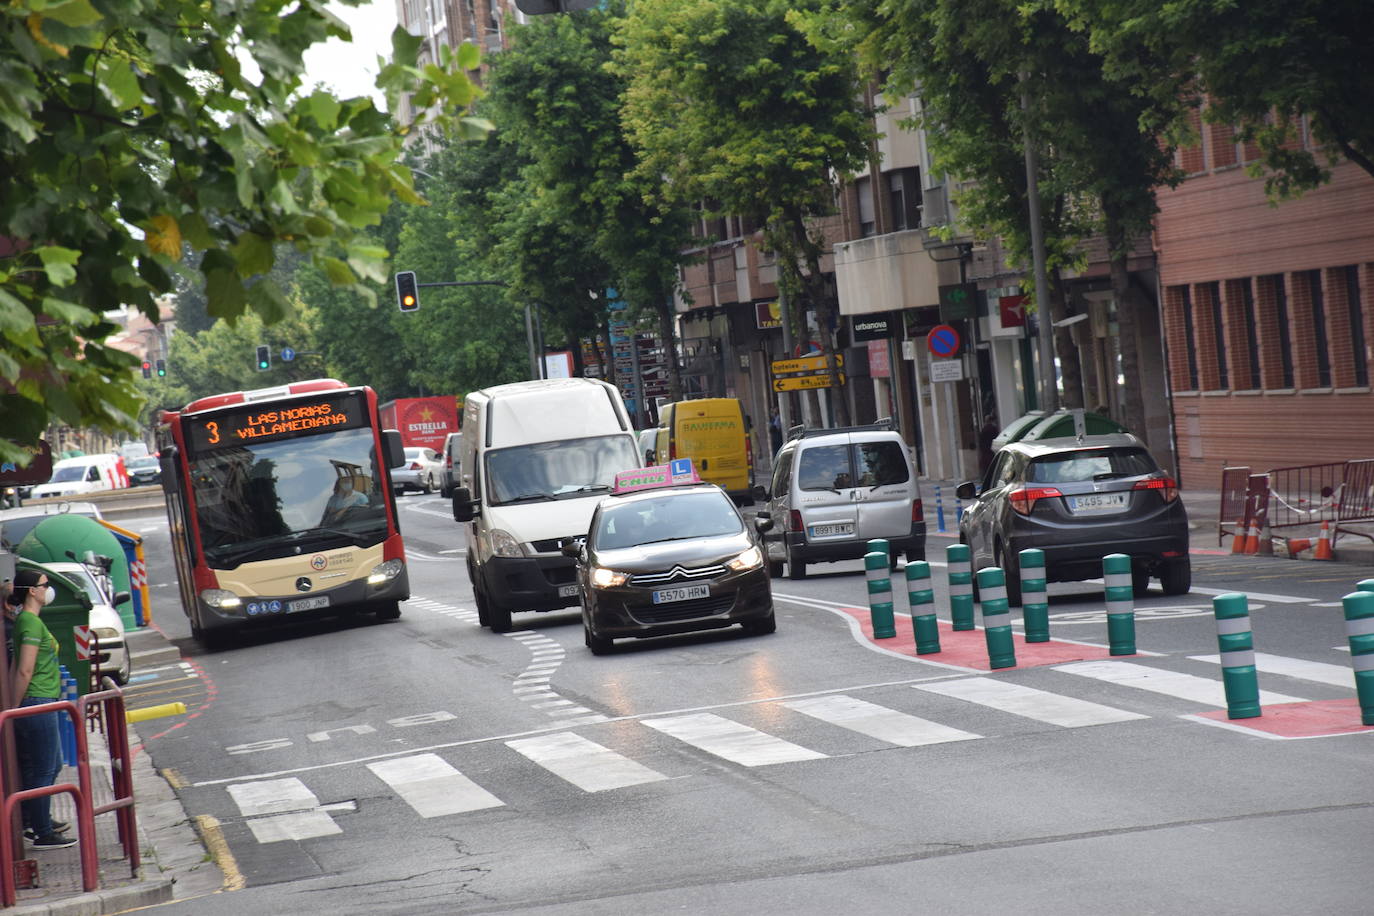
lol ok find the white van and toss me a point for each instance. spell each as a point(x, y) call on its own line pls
point(535, 459)
point(87, 474)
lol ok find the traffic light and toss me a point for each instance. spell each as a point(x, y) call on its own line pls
point(264, 358)
point(407, 293)
point(162, 368)
point(147, 369)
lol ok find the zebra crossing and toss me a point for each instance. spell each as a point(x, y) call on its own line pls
point(433, 786)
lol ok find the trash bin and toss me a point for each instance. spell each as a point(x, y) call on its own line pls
point(69, 610)
point(66, 537)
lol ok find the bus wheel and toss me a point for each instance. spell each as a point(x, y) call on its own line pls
point(389, 610)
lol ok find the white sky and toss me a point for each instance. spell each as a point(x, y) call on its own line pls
point(351, 69)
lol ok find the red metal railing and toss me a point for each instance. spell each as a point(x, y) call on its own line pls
point(111, 704)
point(1301, 495)
point(1234, 485)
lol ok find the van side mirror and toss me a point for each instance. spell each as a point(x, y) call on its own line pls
point(763, 523)
point(121, 598)
point(760, 493)
point(395, 449)
point(967, 490)
point(465, 508)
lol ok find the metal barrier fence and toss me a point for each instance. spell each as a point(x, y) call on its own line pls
point(1296, 496)
point(1234, 484)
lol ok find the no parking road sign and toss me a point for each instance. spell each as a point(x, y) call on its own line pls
point(943, 340)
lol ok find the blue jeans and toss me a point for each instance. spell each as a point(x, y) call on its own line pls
point(40, 760)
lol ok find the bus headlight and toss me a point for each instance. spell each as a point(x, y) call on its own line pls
point(503, 544)
point(221, 598)
point(385, 572)
point(608, 578)
point(749, 559)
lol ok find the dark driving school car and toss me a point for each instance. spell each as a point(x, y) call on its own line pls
point(666, 554)
point(1078, 499)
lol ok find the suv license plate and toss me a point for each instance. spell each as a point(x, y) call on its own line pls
point(820, 531)
point(1098, 502)
point(307, 604)
point(567, 591)
point(682, 593)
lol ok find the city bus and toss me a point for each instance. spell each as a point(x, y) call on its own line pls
point(279, 504)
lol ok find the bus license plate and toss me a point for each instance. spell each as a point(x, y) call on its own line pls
point(682, 593)
point(1098, 502)
point(567, 591)
point(820, 531)
point(307, 604)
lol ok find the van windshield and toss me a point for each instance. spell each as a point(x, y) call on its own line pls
point(68, 474)
point(557, 470)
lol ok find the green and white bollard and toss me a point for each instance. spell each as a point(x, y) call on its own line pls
point(1120, 595)
point(960, 571)
point(879, 594)
point(992, 589)
point(1365, 585)
point(1035, 599)
point(1359, 629)
point(920, 596)
point(1237, 645)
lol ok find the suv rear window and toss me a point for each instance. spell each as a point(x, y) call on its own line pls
point(1092, 464)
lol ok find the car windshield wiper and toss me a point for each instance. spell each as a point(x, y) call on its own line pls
point(1110, 475)
point(529, 498)
point(680, 537)
point(593, 488)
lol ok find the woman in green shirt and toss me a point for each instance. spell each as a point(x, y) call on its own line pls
point(38, 680)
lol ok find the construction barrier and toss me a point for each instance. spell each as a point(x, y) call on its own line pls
point(959, 569)
point(1234, 484)
point(992, 589)
point(1119, 592)
point(879, 591)
point(920, 598)
point(1359, 629)
point(1035, 599)
point(1235, 641)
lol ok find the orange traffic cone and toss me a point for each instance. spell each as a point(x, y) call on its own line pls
point(1298, 545)
point(1238, 539)
point(1323, 551)
point(1252, 540)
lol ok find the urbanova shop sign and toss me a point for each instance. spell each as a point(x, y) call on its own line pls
point(871, 327)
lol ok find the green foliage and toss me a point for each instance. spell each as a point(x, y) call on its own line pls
point(132, 129)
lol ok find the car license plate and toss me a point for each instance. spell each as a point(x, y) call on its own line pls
point(820, 531)
point(681, 593)
point(307, 604)
point(567, 591)
point(1097, 502)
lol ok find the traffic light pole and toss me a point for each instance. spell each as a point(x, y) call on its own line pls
point(533, 330)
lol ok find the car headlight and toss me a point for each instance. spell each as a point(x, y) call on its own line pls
point(503, 544)
point(608, 578)
point(220, 598)
point(104, 633)
point(749, 559)
point(385, 572)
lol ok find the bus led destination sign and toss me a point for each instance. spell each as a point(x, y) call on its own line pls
point(252, 424)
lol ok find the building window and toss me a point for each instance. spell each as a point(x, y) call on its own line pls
point(867, 222)
point(1314, 286)
point(904, 191)
point(1213, 291)
point(1357, 345)
point(1251, 334)
point(1285, 334)
point(1192, 339)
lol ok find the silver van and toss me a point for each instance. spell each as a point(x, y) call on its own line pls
point(451, 458)
point(834, 490)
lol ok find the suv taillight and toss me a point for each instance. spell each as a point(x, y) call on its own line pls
point(794, 520)
point(415, 465)
point(1023, 499)
point(1167, 487)
point(918, 512)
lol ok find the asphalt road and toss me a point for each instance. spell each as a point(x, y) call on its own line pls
point(427, 765)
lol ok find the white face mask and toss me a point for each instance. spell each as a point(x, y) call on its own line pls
point(49, 595)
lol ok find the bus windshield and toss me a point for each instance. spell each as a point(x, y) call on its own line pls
point(558, 470)
point(256, 501)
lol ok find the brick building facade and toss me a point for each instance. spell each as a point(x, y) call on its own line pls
point(1268, 312)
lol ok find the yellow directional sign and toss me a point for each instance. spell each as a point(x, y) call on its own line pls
point(805, 364)
point(800, 382)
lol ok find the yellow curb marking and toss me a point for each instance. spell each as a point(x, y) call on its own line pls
point(219, 851)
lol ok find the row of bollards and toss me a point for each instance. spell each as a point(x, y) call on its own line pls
point(1235, 637)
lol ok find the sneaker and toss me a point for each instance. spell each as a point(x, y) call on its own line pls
point(53, 840)
point(57, 827)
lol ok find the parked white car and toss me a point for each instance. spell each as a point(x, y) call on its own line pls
point(422, 471)
point(17, 522)
point(106, 624)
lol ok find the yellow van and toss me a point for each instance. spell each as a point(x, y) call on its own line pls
point(710, 431)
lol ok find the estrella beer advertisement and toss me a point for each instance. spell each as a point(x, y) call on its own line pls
point(423, 422)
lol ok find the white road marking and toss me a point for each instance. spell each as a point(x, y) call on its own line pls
point(1184, 686)
point(432, 787)
point(1040, 705)
point(273, 796)
point(301, 825)
point(878, 721)
point(1301, 668)
point(584, 763)
point(731, 740)
point(1253, 596)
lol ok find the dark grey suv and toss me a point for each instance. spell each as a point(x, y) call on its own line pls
point(1078, 500)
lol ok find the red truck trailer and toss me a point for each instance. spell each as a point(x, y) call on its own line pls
point(422, 422)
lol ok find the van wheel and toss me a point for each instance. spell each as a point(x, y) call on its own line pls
point(796, 568)
point(498, 616)
point(774, 568)
point(599, 645)
point(1177, 577)
point(483, 610)
point(445, 492)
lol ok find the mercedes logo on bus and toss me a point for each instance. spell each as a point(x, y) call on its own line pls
point(303, 584)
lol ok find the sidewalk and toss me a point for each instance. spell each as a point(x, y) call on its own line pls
point(175, 865)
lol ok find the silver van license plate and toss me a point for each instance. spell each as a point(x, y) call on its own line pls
point(820, 531)
point(682, 593)
point(307, 604)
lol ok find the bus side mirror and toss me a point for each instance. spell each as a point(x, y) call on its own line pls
point(395, 450)
point(465, 508)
